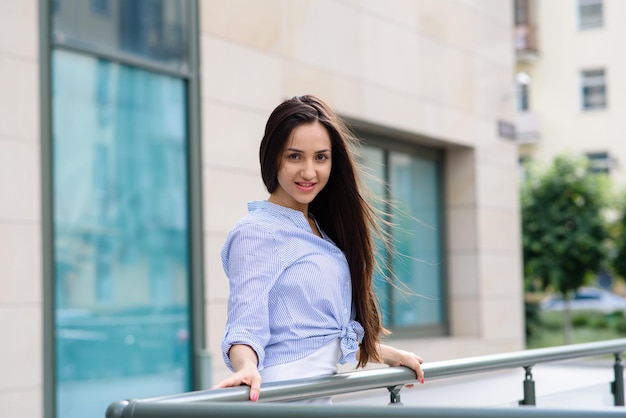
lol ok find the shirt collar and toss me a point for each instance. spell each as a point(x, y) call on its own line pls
point(295, 216)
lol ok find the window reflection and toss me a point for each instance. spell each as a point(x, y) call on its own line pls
point(414, 299)
point(417, 237)
point(151, 29)
point(120, 234)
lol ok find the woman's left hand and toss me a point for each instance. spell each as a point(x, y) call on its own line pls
point(394, 357)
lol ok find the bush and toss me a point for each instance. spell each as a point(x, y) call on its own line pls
point(619, 324)
point(599, 327)
point(580, 320)
point(598, 322)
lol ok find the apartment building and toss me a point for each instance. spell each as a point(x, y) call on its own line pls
point(570, 83)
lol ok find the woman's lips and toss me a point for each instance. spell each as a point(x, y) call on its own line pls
point(305, 186)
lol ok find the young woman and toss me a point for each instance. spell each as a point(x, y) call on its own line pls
point(301, 263)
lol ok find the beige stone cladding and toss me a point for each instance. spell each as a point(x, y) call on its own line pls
point(20, 213)
point(439, 72)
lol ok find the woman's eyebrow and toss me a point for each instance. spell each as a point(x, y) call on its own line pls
point(302, 152)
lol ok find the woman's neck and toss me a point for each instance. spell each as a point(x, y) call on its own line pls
point(304, 208)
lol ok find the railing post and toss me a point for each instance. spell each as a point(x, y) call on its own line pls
point(529, 387)
point(617, 386)
point(394, 395)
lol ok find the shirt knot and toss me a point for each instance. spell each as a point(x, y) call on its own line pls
point(351, 335)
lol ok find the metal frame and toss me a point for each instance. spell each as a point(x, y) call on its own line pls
point(196, 228)
point(211, 402)
point(47, 220)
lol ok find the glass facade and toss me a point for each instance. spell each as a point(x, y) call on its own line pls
point(410, 286)
point(121, 229)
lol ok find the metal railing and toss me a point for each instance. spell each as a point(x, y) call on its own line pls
point(246, 410)
point(235, 401)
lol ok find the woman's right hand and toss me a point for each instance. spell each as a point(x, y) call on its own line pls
point(244, 362)
point(251, 378)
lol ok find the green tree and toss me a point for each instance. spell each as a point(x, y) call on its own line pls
point(563, 230)
point(619, 261)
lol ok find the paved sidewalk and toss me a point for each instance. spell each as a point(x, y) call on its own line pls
point(564, 385)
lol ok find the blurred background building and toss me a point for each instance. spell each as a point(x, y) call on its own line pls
point(129, 135)
point(569, 80)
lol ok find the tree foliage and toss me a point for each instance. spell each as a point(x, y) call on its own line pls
point(619, 262)
point(562, 224)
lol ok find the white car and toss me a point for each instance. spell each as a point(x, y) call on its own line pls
point(588, 299)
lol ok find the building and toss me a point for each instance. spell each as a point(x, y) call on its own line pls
point(129, 135)
point(569, 75)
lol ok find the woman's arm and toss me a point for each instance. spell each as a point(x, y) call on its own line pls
point(394, 357)
point(252, 267)
point(245, 365)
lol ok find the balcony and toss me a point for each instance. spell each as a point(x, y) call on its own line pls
point(527, 128)
point(525, 42)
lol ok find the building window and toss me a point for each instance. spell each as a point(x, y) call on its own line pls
point(522, 165)
point(121, 80)
point(411, 286)
point(521, 12)
point(523, 86)
point(599, 162)
point(121, 231)
point(149, 30)
point(590, 14)
point(593, 86)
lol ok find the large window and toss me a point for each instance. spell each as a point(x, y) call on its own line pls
point(593, 89)
point(121, 229)
point(410, 286)
point(590, 14)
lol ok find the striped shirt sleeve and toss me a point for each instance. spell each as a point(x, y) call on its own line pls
point(252, 264)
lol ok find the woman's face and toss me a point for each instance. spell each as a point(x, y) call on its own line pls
point(304, 166)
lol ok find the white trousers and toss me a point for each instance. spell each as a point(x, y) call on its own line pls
point(322, 362)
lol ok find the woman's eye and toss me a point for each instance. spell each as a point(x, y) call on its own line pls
point(322, 157)
point(293, 156)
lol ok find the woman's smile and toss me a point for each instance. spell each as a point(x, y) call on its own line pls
point(306, 187)
point(304, 167)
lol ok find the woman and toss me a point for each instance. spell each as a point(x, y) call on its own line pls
point(301, 264)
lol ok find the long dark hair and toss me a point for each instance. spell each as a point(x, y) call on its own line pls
point(340, 208)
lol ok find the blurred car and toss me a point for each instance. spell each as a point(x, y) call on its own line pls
point(587, 299)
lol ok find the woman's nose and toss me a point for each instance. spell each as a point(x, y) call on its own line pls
point(308, 170)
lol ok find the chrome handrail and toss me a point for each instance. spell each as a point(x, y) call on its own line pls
point(522, 358)
point(246, 410)
point(394, 378)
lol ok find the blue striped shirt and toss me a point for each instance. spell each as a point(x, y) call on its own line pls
point(290, 291)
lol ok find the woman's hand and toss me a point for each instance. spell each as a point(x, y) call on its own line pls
point(246, 376)
point(394, 357)
point(244, 362)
